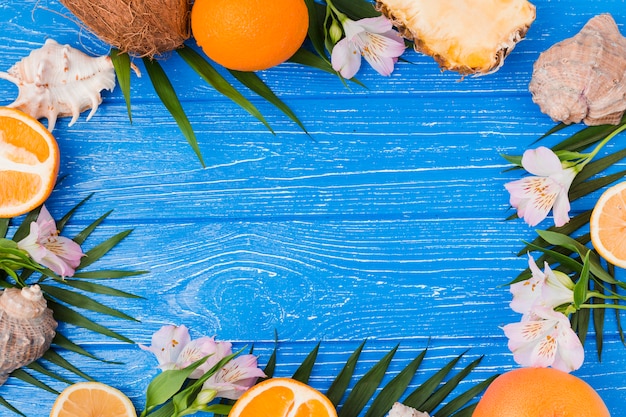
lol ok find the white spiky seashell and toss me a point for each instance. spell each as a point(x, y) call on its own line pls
point(60, 81)
point(26, 328)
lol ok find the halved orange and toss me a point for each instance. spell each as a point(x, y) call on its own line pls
point(282, 397)
point(29, 162)
point(607, 225)
point(92, 399)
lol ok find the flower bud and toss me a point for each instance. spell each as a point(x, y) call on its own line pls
point(335, 32)
point(204, 397)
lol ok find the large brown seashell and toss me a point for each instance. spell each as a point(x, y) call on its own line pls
point(583, 78)
point(139, 27)
point(467, 36)
point(26, 328)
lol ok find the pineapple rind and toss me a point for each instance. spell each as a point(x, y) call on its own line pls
point(467, 36)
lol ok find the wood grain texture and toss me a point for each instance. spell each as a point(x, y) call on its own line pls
point(385, 223)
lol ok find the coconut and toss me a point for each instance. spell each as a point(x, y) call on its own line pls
point(143, 28)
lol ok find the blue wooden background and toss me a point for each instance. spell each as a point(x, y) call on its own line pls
point(386, 224)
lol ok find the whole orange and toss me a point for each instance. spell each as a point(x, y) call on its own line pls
point(540, 392)
point(249, 35)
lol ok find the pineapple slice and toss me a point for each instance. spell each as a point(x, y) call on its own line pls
point(467, 36)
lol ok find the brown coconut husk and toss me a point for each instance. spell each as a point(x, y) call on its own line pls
point(143, 28)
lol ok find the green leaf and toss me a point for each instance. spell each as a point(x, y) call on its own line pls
point(96, 288)
point(254, 83)
point(567, 242)
point(24, 228)
point(82, 301)
point(209, 74)
point(67, 315)
point(570, 227)
point(420, 396)
point(65, 343)
point(86, 232)
point(166, 93)
point(38, 367)
point(28, 378)
point(364, 389)
point(185, 398)
point(598, 316)
point(394, 389)
point(107, 274)
point(270, 367)
point(4, 227)
point(63, 221)
point(356, 9)
point(121, 63)
point(339, 386)
point(6, 404)
point(598, 166)
point(54, 357)
point(580, 289)
point(586, 137)
point(167, 410)
point(513, 159)
point(102, 249)
point(303, 373)
point(464, 398)
point(442, 393)
point(588, 187)
point(580, 323)
point(316, 31)
point(307, 58)
point(166, 384)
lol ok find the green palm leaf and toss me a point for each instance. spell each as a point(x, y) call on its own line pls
point(340, 384)
point(303, 373)
point(9, 407)
point(254, 83)
point(121, 64)
point(394, 389)
point(166, 93)
point(68, 292)
point(97, 288)
point(28, 378)
point(82, 301)
point(431, 395)
point(365, 388)
point(209, 74)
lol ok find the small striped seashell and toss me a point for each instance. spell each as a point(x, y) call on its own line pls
point(26, 328)
point(583, 78)
point(60, 81)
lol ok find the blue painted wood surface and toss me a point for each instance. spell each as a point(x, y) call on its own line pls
point(386, 224)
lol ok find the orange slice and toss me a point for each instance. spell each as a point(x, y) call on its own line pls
point(283, 397)
point(29, 162)
point(92, 399)
point(607, 225)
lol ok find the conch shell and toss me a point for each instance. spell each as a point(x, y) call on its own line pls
point(60, 81)
point(26, 328)
point(467, 36)
point(583, 78)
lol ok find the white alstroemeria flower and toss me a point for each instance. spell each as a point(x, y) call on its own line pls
point(401, 410)
point(372, 38)
point(545, 339)
point(547, 189)
point(61, 254)
point(167, 344)
point(548, 288)
point(235, 378)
